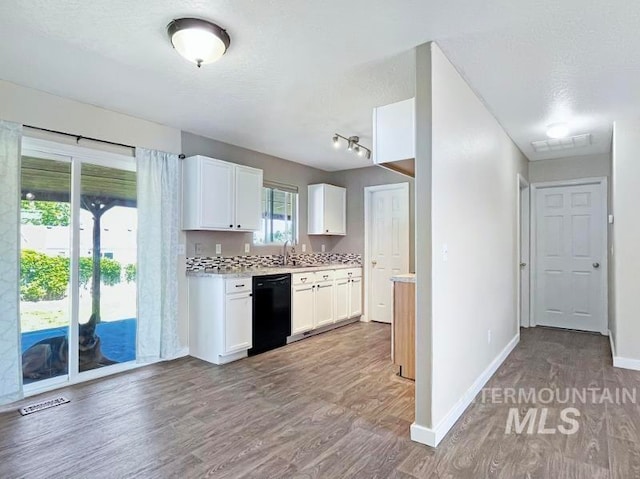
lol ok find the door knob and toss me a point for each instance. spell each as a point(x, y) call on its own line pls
point(374, 262)
point(522, 265)
point(596, 265)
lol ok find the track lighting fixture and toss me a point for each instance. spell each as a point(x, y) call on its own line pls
point(353, 144)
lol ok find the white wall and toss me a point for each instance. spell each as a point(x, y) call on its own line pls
point(40, 109)
point(473, 213)
point(570, 168)
point(626, 255)
point(37, 108)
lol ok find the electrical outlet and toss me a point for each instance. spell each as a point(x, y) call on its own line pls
point(218, 249)
point(488, 336)
point(198, 249)
point(181, 249)
point(247, 247)
point(323, 248)
point(304, 247)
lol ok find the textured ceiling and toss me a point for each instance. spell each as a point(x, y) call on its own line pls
point(298, 71)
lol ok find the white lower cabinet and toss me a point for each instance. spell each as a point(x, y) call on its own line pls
point(325, 297)
point(220, 318)
point(342, 298)
point(237, 322)
point(302, 308)
point(355, 297)
point(323, 307)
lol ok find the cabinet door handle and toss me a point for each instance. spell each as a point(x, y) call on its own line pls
point(327, 231)
point(230, 226)
point(239, 285)
point(239, 226)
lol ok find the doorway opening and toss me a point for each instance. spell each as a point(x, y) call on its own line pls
point(524, 235)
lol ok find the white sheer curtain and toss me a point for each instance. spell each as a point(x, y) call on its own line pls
point(10, 355)
point(158, 223)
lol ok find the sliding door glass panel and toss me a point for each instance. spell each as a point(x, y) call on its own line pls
point(108, 263)
point(45, 242)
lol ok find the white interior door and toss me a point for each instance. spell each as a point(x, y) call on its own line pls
point(525, 236)
point(570, 269)
point(387, 234)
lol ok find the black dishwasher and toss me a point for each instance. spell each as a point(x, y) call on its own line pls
point(271, 312)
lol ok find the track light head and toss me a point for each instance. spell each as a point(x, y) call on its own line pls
point(353, 145)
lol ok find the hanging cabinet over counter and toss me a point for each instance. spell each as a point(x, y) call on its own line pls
point(327, 210)
point(220, 196)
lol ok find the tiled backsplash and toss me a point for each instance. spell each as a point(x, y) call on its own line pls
point(200, 263)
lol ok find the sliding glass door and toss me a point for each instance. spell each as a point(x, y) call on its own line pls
point(78, 266)
point(45, 266)
point(107, 260)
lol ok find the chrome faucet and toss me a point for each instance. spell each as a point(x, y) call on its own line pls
point(285, 255)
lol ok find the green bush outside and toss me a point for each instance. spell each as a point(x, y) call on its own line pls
point(43, 277)
point(130, 272)
point(46, 278)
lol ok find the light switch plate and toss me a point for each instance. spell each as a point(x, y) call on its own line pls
point(197, 249)
point(181, 249)
point(323, 248)
point(247, 247)
point(218, 249)
point(304, 247)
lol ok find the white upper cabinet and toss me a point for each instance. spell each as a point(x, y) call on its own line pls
point(394, 136)
point(218, 195)
point(248, 198)
point(327, 214)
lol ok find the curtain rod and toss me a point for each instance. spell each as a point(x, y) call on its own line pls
point(82, 137)
point(79, 137)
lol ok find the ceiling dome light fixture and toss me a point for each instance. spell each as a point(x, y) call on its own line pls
point(353, 145)
point(199, 41)
point(557, 130)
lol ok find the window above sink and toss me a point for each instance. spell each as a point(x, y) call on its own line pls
point(279, 215)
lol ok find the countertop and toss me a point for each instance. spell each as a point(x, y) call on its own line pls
point(249, 272)
point(404, 278)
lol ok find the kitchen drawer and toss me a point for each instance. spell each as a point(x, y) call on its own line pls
point(303, 278)
point(348, 273)
point(327, 275)
point(238, 285)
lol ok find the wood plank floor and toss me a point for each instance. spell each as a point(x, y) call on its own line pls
point(326, 407)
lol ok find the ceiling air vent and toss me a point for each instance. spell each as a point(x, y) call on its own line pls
point(555, 144)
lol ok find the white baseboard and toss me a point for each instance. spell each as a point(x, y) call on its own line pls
point(619, 362)
point(626, 363)
point(432, 437)
point(423, 435)
point(613, 347)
